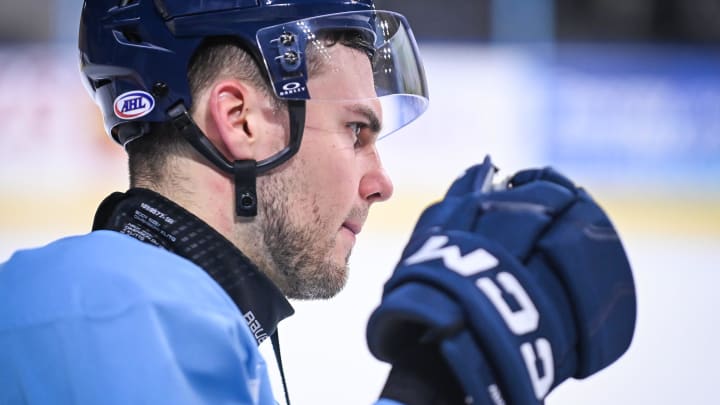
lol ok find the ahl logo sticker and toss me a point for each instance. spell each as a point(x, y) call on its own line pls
point(134, 104)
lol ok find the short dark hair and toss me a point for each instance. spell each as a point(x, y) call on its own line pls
point(350, 38)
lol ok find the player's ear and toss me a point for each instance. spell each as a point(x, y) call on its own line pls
point(230, 105)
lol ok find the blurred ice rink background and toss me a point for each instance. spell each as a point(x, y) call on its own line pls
point(623, 97)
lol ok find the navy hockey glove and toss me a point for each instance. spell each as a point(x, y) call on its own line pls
point(518, 286)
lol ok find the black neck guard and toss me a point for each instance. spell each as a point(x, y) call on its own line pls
point(152, 218)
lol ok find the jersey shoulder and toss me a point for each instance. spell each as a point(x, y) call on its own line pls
point(104, 318)
point(102, 274)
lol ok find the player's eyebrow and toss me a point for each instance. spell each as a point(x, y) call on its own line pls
point(374, 124)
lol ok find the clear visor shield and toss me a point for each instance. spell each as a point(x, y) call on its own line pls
point(361, 61)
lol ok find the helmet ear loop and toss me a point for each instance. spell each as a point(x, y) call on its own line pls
point(244, 172)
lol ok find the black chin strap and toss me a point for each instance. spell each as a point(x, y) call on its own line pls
point(244, 172)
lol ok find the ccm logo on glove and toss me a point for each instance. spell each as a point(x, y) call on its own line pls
point(520, 322)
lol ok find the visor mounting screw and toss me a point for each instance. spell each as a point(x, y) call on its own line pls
point(159, 89)
point(291, 57)
point(287, 38)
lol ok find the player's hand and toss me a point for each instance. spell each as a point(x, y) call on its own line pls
point(519, 286)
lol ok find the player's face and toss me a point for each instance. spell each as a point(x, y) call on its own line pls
point(318, 204)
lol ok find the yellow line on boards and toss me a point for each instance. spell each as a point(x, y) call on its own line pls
point(637, 214)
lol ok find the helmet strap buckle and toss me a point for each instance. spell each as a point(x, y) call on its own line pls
point(245, 175)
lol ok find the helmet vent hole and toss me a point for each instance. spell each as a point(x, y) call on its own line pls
point(124, 3)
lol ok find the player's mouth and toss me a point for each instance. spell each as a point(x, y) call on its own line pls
point(352, 226)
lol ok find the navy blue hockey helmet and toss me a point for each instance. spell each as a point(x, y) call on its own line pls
point(135, 54)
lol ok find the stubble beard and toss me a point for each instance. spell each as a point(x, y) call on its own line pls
point(300, 254)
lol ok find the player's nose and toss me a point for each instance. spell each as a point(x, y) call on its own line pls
point(375, 185)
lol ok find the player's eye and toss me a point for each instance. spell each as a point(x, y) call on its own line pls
point(356, 130)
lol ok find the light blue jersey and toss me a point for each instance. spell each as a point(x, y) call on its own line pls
point(106, 319)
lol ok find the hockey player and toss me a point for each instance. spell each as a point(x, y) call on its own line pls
point(250, 129)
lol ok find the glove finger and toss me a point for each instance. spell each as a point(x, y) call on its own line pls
point(515, 218)
point(454, 211)
point(547, 174)
point(476, 178)
point(435, 216)
point(410, 314)
point(447, 216)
